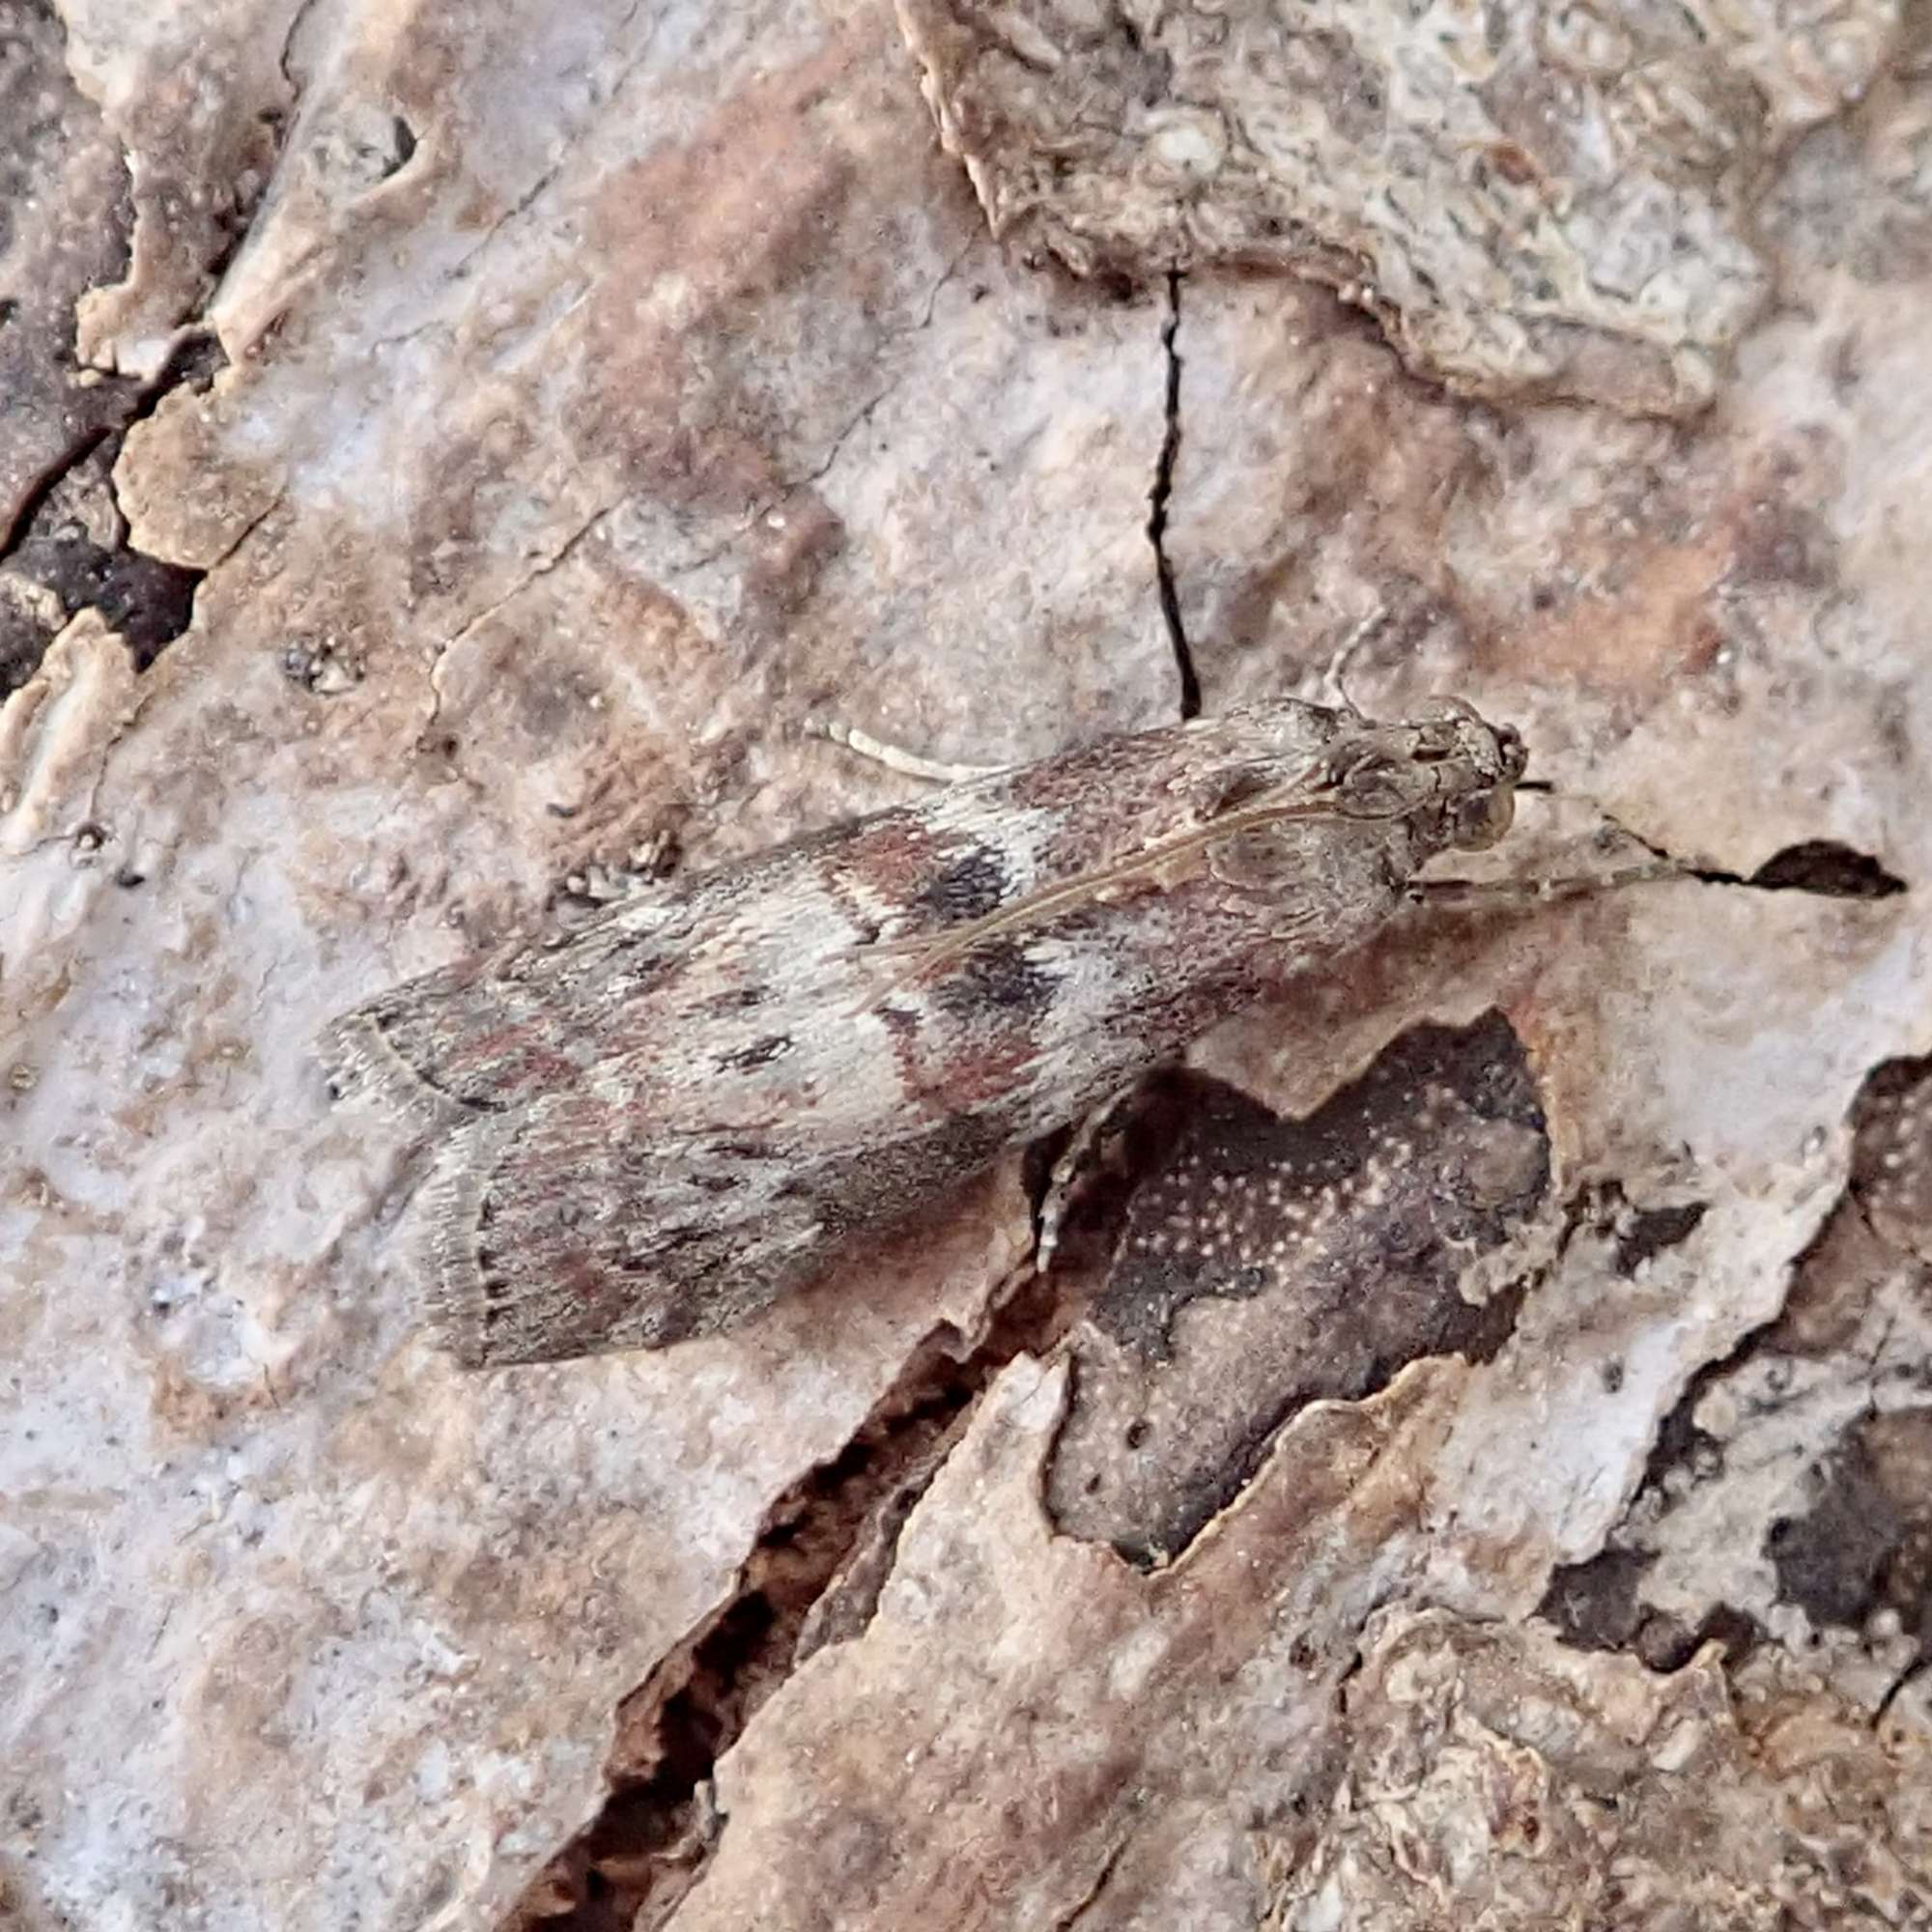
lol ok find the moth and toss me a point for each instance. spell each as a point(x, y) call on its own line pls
point(658, 1123)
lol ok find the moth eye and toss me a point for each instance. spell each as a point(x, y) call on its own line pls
point(1482, 820)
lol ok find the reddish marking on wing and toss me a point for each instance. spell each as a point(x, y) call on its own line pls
point(888, 862)
point(511, 1061)
point(985, 1068)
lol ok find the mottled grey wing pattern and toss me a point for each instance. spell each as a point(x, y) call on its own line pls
point(666, 1118)
point(560, 1233)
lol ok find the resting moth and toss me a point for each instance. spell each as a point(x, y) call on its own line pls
point(666, 1117)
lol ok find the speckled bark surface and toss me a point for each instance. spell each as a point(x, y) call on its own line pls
point(550, 413)
point(1534, 200)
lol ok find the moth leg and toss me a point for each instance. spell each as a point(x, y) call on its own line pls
point(895, 758)
point(1069, 1171)
point(1654, 867)
point(1566, 886)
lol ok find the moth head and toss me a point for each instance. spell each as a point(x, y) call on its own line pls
point(1449, 772)
point(1489, 761)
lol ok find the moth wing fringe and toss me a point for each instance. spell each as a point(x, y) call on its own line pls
point(456, 1302)
point(494, 1319)
point(362, 1066)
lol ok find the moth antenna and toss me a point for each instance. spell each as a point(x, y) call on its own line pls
point(895, 757)
point(1335, 677)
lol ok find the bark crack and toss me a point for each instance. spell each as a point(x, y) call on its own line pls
point(85, 561)
point(542, 567)
point(813, 1578)
point(1158, 499)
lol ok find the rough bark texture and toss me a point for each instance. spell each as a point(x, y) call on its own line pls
point(1470, 1465)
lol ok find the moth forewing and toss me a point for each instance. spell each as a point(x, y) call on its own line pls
point(1159, 866)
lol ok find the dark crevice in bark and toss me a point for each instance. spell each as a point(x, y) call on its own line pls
point(1821, 867)
point(147, 600)
point(1858, 1546)
point(1158, 499)
point(1824, 868)
point(812, 1579)
point(35, 502)
point(63, 540)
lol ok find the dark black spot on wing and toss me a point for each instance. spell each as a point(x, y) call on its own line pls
point(998, 976)
point(968, 887)
point(760, 1053)
point(737, 999)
